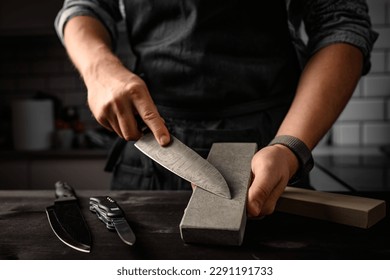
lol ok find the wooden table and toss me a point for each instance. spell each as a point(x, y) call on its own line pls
point(25, 232)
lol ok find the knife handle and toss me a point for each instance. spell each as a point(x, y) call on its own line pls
point(107, 206)
point(64, 191)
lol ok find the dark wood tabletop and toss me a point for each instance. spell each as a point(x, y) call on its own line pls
point(25, 232)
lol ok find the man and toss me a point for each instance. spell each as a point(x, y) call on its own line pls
point(213, 71)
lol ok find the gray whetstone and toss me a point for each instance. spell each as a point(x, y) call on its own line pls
point(211, 219)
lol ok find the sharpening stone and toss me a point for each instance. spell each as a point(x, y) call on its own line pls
point(339, 208)
point(210, 219)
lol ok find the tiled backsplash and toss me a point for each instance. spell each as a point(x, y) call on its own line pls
point(39, 63)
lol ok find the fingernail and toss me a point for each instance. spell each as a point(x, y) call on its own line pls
point(256, 208)
point(163, 140)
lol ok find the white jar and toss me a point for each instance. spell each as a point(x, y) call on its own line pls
point(32, 124)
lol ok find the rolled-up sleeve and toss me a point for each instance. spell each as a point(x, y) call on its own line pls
point(107, 12)
point(339, 21)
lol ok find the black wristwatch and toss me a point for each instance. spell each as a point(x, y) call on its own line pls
point(301, 151)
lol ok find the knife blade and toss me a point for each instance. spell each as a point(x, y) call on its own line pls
point(66, 219)
point(62, 234)
point(184, 162)
point(109, 212)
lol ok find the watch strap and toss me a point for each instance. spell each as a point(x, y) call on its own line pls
point(301, 151)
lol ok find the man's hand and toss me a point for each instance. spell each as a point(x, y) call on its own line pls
point(116, 95)
point(325, 86)
point(272, 167)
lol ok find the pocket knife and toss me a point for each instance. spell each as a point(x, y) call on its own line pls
point(109, 212)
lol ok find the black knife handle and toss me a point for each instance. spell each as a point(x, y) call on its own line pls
point(64, 191)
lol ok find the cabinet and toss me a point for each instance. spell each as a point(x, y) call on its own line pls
point(24, 17)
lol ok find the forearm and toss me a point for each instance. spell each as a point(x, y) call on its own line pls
point(324, 89)
point(88, 45)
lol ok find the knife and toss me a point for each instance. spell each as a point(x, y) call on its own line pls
point(184, 162)
point(66, 219)
point(109, 212)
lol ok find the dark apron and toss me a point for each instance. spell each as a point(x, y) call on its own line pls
point(218, 71)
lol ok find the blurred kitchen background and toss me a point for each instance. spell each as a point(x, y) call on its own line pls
point(37, 80)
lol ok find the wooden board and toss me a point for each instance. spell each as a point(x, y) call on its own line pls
point(210, 219)
point(339, 208)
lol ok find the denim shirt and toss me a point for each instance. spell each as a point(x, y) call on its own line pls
point(325, 21)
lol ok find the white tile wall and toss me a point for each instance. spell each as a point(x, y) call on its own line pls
point(347, 134)
point(388, 11)
point(357, 93)
point(388, 61)
point(383, 41)
point(367, 116)
point(376, 133)
point(378, 60)
point(377, 10)
point(363, 109)
point(388, 111)
point(376, 85)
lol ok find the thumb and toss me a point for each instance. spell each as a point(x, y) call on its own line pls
point(255, 202)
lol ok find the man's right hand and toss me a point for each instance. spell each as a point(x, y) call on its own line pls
point(115, 95)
